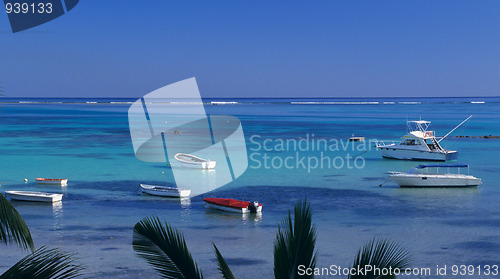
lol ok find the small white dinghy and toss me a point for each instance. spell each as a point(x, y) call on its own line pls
point(33, 196)
point(165, 191)
point(191, 161)
point(417, 178)
point(52, 181)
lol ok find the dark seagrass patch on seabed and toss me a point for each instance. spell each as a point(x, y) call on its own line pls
point(492, 223)
point(481, 245)
point(241, 261)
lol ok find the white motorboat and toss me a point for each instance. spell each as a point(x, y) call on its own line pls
point(191, 161)
point(421, 177)
point(34, 196)
point(165, 191)
point(52, 181)
point(418, 144)
point(233, 205)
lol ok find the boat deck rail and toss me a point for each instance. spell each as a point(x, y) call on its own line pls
point(443, 175)
point(382, 143)
point(437, 167)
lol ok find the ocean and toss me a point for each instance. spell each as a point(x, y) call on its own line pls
point(87, 140)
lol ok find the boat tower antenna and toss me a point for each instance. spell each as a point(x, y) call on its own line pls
point(407, 128)
point(454, 129)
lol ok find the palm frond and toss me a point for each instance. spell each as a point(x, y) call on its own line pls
point(12, 226)
point(295, 243)
point(382, 254)
point(44, 264)
point(222, 265)
point(163, 247)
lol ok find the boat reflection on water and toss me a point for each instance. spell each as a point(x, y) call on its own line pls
point(438, 193)
point(57, 211)
point(440, 199)
point(41, 208)
point(231, 216)
point(255, 217)
point(185, 209)
point(185, 203)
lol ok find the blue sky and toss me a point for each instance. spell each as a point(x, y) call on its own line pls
point(126, 48)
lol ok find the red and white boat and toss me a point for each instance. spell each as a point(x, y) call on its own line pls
point(233, 205)
point(52, 181)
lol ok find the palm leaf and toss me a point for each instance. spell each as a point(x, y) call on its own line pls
point(382, 254)
point(44, 264)
point(12, 226)
point(223, 267)
point(294, 244)
point(163, 247)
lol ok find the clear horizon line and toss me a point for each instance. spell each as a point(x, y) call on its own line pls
point(308, 97)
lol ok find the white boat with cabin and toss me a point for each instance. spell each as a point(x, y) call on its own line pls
point(165, 191)
point(418, 144)
point(191, 161)
point(34, 196)
point(417, 177)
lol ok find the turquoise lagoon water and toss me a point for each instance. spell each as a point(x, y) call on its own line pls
point(88, 141)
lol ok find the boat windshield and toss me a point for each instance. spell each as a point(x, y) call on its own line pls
point(414, 171)
point(410, 142)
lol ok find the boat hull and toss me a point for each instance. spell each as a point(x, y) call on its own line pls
point(165, 191)
point(405, 154)
point(34, 196)
point(205, 165)
point(51, 181)
point(230, 209)
point(194, 162)
point(232, 205)
point(429, 180)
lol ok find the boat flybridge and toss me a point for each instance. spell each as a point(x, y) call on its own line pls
point(418, 144)
point(420, 176)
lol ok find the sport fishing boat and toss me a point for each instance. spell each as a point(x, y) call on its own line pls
point(417, 177)
point(33, 196)
point(165, 191)
point(191, 161)
point(233, 205)
point(418, 144)
point(52, 181)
